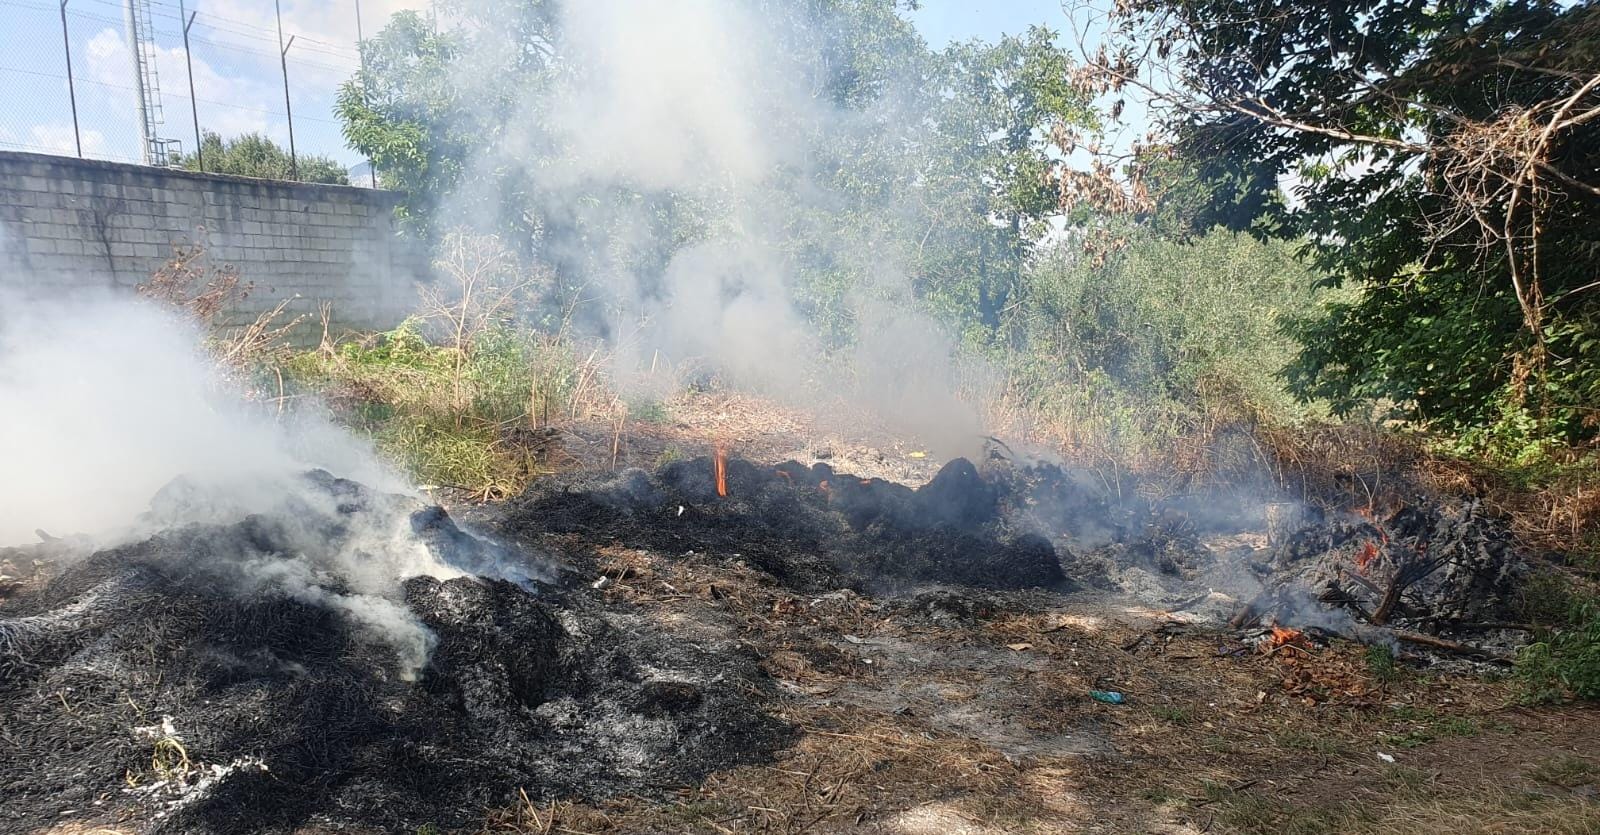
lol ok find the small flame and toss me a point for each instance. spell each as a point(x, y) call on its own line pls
point(720, 466)
point(1284, 636)
point(823, 485)
point(1371, 516)
point(1368, 553)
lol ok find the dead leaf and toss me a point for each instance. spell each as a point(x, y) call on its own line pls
point(1023, 647)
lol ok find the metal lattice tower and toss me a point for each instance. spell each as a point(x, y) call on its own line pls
point(142, 45)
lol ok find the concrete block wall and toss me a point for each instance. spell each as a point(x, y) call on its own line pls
point(69, 226)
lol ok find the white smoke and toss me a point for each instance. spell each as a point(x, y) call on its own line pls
point(105, 400)
point(705, 105)
point(108, 403)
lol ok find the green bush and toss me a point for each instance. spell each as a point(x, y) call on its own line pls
point(1161, 340)
point(1567, 661)
point(448, 415)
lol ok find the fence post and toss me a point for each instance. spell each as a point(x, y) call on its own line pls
point(361, 48)
point(194, 106)
point(72, 92)
point(283, 64)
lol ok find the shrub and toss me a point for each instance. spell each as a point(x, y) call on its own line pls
point(1567, 661)
point(1152, 357)
point(452, 417)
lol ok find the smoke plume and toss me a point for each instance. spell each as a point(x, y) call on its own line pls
point(117, 425)
point(711, 109)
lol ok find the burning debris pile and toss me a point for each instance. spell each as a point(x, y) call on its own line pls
point(1426, 570)
point(1429, 569)
point(349, 656)
point(257, 675)
point(808, 526)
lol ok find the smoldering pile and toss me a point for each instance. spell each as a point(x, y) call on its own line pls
point(243, 675)
point(810, 527)
point(1434, 573)
point(1436, 568)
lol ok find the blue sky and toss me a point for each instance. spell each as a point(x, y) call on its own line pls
point(943, 21)
point(236, 74)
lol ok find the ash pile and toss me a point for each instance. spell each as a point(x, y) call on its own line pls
point(346, 658)
point(1432, 569)
point(810, 527)
point(1436, 573)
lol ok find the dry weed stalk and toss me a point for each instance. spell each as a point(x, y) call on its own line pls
point(483, 285)
point(190, 282)
point(205, 291)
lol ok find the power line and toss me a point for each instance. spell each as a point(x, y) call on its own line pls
point(236, 50)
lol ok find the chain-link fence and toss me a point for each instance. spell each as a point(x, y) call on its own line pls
point(143, 80)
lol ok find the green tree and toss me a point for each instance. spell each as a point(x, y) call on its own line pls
point(420, 113)
point(1443, 160)
point(993, 166)
point(935, 164)
point(254, 155)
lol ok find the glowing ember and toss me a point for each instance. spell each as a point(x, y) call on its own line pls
point(1368, 553)
point(720, 466)
point(1368, 514)
point(823, 485)
point(1285, 637)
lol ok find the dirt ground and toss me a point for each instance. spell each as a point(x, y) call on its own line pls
point(970, 712)
point(954, 711)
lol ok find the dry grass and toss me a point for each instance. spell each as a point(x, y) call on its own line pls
point(1215, 736)
point(1488, 810)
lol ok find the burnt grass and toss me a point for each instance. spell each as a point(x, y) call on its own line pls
point(811, 528)
point(227, 678)
point(165, 685)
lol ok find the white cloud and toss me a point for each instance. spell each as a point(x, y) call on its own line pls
point(229, 104)
point(325, 51)
point(108, 59)
point(328, 22)
point(56, 138)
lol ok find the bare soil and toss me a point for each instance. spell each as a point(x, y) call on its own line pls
point(928, 708)
point(952, 710)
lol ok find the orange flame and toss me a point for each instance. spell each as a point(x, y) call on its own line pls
point(720, 466)
point(1283, 636)
point(823, 485)
point(1368, 553)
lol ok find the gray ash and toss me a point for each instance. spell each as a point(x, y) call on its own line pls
point(1432, 565)
point(222, 677)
